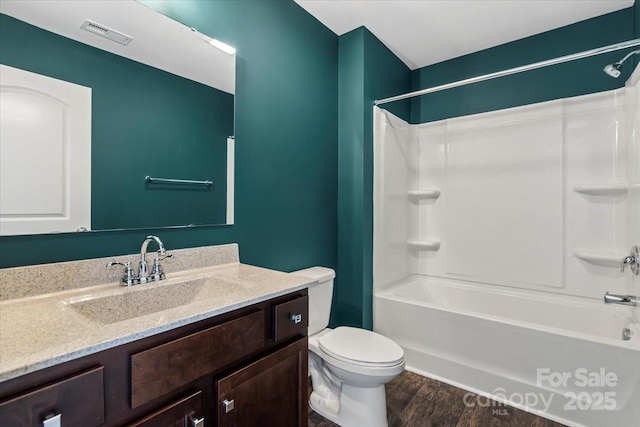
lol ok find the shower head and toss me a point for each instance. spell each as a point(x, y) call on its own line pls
point(614, 69)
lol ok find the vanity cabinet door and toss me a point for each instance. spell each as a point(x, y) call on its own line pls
point(186, 412)
point(74, 401)
point(271, 392)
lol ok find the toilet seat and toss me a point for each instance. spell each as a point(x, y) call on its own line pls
point(361, 347)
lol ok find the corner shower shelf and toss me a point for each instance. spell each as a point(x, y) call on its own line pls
point(613, 189)
point(602, 259)
point(423, 194)
point(424, 245)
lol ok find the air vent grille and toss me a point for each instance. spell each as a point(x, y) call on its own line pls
point(106, 32)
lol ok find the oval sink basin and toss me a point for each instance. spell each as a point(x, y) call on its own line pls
point(136, 301)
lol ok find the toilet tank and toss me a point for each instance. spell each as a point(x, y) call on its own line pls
point(320, 296)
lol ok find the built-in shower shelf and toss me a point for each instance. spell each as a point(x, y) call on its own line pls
point(613, 189)
point(423, 194)
point(424, 245)
point(602, 259)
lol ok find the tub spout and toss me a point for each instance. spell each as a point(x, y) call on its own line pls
point(620, 299)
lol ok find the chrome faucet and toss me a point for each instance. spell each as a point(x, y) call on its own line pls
point(143, 268)
point(143, 275)
point(621, 299)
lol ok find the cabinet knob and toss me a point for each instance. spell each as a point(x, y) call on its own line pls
point(53, 421)
point(295, 318)
point(228, 405)
point(197, 422)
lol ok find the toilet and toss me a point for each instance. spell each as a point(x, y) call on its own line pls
point(349, 367)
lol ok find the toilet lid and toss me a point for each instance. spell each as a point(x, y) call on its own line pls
point(361, 346)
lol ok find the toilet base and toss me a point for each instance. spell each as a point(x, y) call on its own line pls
point(358, 407)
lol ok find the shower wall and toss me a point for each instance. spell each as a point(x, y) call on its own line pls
point(542, 197)
point(632, 114)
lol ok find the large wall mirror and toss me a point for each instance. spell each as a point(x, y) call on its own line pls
point(114, 113)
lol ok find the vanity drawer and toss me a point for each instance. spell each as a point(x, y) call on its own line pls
point(291, 319)
point(78, 400)
point(164, 368)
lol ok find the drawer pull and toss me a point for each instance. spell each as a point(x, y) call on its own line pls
point(228, 405)
point(197, 422)
point(296, 318)
point(53, 421)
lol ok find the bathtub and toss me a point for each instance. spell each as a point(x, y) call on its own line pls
point(560, 357)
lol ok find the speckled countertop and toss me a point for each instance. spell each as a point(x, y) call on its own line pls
point(50, 328)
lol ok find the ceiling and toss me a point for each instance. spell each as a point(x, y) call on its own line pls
point(425, 32)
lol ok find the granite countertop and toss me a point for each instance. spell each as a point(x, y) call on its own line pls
point(44, 330)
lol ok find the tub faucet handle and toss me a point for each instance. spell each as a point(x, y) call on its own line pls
point(632, 260)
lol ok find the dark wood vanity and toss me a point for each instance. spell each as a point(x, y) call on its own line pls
point(243, 368)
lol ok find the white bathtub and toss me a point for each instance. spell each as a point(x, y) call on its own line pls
point(561, 357)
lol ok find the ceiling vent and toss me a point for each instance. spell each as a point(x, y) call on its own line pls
point(106, 32)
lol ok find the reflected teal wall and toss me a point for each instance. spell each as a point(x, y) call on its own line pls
point(367, 71)
point(144, 121)
point(286, 146)
point(560, 81)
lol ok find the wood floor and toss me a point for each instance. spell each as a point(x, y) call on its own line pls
point(417, 401)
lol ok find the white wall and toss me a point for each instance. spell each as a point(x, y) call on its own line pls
point(393, 139)
point(533, 197)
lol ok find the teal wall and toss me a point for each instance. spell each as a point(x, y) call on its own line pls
point(367, 71)
point(347, 300)
point(286, 146)
point(559, 81)
point(144, 121)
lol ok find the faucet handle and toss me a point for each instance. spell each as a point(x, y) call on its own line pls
point(626, 260)
point(112, 263)
point(164, 257)
point(156, 270)
point(633, 260)
point(128, 279)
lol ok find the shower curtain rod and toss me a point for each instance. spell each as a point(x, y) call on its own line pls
point(516, 70)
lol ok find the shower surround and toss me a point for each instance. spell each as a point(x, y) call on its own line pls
point(496, 236)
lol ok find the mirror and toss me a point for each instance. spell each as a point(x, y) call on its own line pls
point(161, 116)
